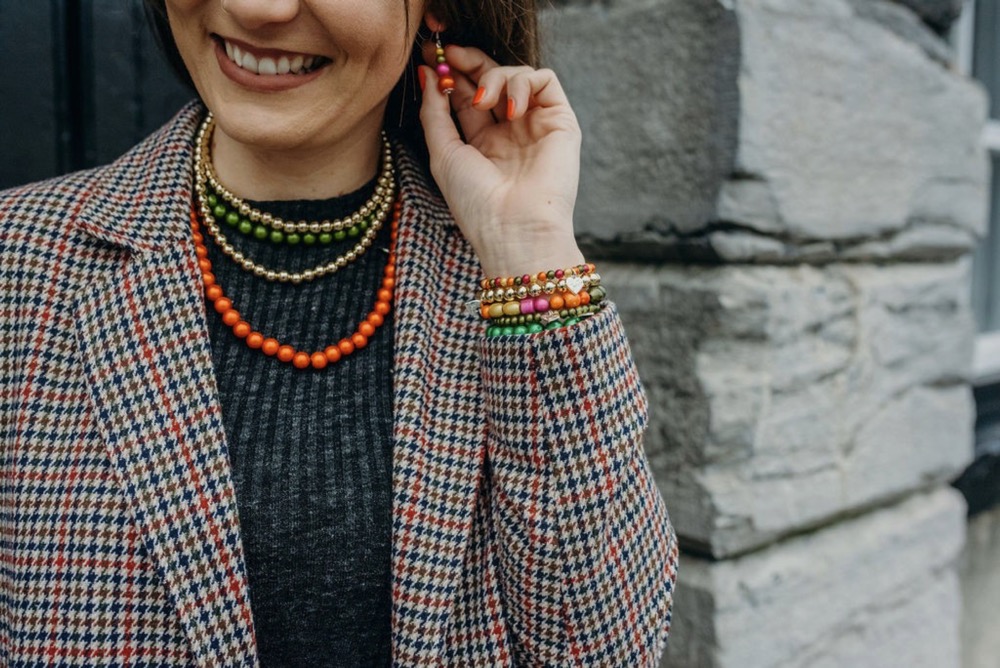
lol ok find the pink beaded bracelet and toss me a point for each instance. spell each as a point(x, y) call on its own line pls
point(544, 297)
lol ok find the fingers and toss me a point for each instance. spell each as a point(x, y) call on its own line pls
point(525, 88)
point(509, 90)
point(485, 91)
point(472, 120)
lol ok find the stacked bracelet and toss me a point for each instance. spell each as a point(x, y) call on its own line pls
point(531, 328)
point(544, 319)
point(533, 303)
point(544, 282)
point(533, 323)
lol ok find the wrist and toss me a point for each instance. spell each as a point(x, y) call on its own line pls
point(517, 260)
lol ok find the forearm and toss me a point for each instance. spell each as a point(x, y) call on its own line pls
point(587, 553)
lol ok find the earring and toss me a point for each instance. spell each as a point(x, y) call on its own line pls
point(446, 83)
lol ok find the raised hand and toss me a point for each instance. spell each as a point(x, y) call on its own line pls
point(511, 184)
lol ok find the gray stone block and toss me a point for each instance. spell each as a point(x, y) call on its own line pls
point(781, 131)
point(653, 84)
point(848, 131)
point(873, 591)
point(782, 397)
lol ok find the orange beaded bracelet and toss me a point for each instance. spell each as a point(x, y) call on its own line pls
point(544, 294)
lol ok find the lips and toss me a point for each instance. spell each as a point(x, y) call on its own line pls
point(270, 62)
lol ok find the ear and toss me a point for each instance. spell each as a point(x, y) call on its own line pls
point(432, 21)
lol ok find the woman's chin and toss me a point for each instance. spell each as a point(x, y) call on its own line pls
point(263, 128)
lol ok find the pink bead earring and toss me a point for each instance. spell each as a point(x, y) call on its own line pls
point(446, 83)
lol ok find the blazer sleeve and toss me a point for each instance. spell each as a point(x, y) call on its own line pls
point(586, 550)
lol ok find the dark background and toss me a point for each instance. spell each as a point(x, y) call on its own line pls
point(82, 81)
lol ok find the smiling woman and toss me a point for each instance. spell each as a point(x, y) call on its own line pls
point(312, 133)
point(307, 378)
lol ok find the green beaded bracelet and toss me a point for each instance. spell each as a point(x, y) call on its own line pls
point(495, 330)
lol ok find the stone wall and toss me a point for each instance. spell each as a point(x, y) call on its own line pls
point(784, 194)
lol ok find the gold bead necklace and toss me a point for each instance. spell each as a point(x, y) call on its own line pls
point(383, 191)
point(383, 204)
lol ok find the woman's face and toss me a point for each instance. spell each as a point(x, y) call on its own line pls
point(294, 74)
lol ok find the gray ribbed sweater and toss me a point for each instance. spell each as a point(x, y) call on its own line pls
point(311, 451)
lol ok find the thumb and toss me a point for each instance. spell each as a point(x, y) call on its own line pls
point(435, 115)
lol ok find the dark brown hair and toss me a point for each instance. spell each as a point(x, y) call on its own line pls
point(507, 30)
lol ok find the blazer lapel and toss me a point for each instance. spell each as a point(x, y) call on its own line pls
point(439, 431)
point(145, 348)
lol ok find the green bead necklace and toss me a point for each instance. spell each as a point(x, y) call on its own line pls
point(260, 230)
point(229, 209)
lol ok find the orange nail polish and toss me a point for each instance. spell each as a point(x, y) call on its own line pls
point(479, 95)
point(510, 109)
point(422, 76)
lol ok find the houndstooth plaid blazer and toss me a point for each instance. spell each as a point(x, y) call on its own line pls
point(527, 528)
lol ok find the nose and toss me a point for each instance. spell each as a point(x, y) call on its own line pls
point(256, 13)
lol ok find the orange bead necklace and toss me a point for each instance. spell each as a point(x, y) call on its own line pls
point(271, 347)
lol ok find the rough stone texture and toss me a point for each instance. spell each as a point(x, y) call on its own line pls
point(981, 591)
point(848, 131)
point(653, 84)
point(874, 591)
point(809, 397)
point(784, 397)
point(852, 142)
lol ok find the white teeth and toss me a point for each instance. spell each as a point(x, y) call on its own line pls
point(267, 66)
point(250, 62)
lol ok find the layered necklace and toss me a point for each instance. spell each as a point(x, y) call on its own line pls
point(215, 206)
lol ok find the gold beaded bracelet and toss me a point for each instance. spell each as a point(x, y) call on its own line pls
point(543, 298)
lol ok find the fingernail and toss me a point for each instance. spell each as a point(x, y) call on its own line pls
point(510, 108)
point(479, 95)
point(422, 76)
